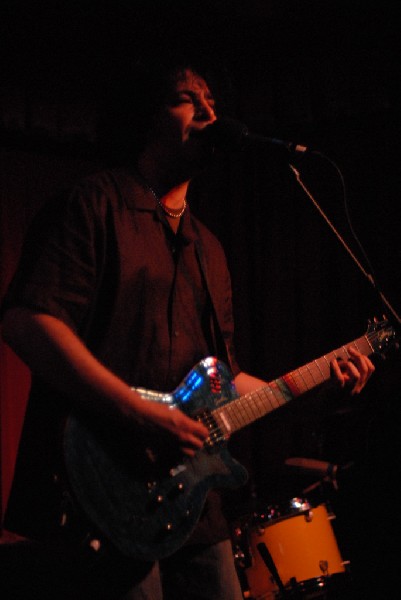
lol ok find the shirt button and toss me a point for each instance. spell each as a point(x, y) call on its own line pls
point(176, 333)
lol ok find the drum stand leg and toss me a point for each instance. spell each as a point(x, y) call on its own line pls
point(267, 559)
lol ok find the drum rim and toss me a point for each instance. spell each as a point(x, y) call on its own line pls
point(317, 583)
point(274, 513)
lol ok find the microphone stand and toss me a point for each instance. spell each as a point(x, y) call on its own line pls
point(368, 276)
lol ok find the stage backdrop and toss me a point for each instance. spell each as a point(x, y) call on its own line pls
point(322, 75)
point(26, 180)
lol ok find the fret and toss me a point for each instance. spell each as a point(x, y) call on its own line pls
point(255, 404)
point(363, 344)
point(223, 420)
point(340, 354)
point(269, 399)
point(242, 412)
point(293, 382)
point(322, 373)
point(252, 405)
point(242, 418)
point(249, 408)
point(257, 400)
point(233, 416)
point(270, 393)
point(298, 381)
point(303, 384)
point(346, 352)
point(324, 362)
point(263, 396)
point(324, 357)
point(309, 371)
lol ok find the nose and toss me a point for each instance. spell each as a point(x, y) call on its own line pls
point(205, 111)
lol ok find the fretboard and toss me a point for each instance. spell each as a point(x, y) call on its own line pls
point(252, 406)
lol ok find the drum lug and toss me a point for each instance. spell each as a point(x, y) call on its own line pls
point(309, 516)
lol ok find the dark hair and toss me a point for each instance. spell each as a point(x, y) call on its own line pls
point(134, 98)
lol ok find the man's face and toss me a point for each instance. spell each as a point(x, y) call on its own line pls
point(189, 108)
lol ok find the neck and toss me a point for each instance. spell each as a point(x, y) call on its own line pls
point(171, 191)
point(175, 197)
point(162, 175)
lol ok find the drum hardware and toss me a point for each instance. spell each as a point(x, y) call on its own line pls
point(240, 543)
point(267, 559)
point(324, 567)
point(325, 471)
point(276, 513)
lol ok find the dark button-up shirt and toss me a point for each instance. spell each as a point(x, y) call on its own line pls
point(148, 303)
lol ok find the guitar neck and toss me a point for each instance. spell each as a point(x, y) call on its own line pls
point(246, 409)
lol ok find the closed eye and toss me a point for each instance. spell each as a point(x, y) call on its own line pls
point(187, 96)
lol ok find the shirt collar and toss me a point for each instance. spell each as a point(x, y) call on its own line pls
point(137, 196)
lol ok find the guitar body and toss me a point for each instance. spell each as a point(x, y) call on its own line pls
point(144, 500)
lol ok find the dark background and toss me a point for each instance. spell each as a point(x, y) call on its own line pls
point(324, 74)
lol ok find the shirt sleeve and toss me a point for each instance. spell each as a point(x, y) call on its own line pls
point(60, 259)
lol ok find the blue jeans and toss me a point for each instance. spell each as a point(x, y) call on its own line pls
point(193, 573)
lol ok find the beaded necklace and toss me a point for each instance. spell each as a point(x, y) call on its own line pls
point(174, 213)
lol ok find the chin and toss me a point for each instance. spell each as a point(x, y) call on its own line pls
point(198, 157)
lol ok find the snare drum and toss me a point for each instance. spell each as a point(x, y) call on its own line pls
point(300, 545)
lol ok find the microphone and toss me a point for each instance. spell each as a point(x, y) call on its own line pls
point(232, 135)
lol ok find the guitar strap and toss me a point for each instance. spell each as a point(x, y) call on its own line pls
point(220, 345)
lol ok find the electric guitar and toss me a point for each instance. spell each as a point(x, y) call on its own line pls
point(142, 498)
